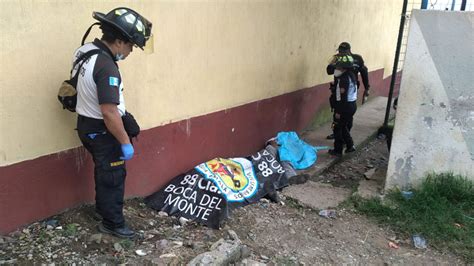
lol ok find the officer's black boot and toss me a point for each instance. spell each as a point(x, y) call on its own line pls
point(350, 149)
point(122, 232)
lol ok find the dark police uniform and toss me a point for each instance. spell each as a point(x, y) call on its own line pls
point(345, 104)
point(99, 83)
point(359, 67)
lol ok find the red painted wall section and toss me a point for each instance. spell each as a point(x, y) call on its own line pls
point(36, 189)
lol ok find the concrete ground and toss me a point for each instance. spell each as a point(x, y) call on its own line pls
point(367, 120)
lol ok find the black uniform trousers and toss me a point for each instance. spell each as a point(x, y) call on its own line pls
point(109, 170)
point(342, 127)
point(332, 104)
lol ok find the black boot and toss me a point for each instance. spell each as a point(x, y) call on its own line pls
point(351, 149)
point(122, 232)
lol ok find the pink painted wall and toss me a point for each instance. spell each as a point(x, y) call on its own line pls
point(35, 189)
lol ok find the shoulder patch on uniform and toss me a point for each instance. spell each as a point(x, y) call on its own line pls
point(113, 81)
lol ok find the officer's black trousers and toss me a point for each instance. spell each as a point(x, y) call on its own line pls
point(109, 173)
point(342, 127)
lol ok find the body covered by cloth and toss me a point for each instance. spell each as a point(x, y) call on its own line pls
point(208, 193)
point(294, 150)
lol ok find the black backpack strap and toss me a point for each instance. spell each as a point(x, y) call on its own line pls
point(86, 55)
point(87, 32)
point(83, 59)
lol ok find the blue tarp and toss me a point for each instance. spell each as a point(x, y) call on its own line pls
point(299, 153)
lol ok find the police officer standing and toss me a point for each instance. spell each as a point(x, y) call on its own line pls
point(359, 67)
point(101, 110)
point(345, 106)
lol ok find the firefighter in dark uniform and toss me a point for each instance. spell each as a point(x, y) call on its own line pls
point(345, 104)
point(101, 111)
point(359, 68)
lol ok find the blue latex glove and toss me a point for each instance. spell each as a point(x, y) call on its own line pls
point(127, 151)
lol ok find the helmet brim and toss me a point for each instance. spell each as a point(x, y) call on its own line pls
point(101, 17)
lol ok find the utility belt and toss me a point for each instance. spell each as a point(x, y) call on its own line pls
point(92, 125)
point(352, 102)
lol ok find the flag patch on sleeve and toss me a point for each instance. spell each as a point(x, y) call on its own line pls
point(113, 81)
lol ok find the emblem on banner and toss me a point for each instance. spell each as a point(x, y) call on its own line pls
point(235, 178)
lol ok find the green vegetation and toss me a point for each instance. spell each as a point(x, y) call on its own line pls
point(293, 203)
point(126, 244)
point(70, 230)
point(43, 237)
point(441, 210)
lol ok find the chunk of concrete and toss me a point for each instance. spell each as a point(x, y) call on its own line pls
point(223, 252)
point(317, 195)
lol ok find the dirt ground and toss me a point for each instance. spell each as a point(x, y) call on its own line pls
point(286, 233)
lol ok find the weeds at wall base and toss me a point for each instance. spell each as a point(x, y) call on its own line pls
point(441, 210)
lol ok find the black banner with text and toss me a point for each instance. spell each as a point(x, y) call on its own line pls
point(209, 192)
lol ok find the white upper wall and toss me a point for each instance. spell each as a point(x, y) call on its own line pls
point(209, 56)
